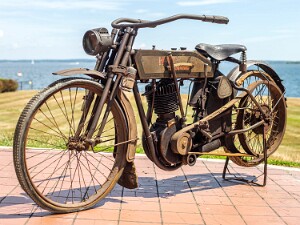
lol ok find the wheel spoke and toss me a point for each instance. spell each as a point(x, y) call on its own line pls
point(54, 123)
point(66, 174)
point(247, 113)
point(65, 115)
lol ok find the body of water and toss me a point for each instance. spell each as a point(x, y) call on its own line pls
point(38, 74)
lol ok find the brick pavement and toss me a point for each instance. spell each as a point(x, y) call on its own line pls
point(190, 195)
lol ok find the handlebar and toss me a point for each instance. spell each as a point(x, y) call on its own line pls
point(137, 23)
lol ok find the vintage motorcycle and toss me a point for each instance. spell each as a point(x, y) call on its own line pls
point(77, 138)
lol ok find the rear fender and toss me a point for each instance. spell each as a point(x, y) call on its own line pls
point(235, 72)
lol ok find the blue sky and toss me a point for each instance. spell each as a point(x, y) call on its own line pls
point(44, 29)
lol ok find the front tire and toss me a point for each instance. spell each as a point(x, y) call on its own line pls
point(52, 164)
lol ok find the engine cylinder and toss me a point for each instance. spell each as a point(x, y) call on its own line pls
point(165, 100)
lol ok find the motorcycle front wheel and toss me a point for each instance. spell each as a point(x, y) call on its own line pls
point(54, 164)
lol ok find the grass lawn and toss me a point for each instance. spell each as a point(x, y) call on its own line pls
point(12, 104)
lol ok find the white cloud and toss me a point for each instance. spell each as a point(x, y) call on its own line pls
point(203, 2)
point(15, 45)
point(1, 33)
point(156, 15)
point(141, 11)
point(147, 14)
point(140, 45)
point(284, 31)
point(266, 38)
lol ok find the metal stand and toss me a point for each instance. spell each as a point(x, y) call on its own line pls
point(241, 179)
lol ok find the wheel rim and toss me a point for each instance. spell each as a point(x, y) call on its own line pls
point(269, 97)
point(62, 173)
point(234, 143)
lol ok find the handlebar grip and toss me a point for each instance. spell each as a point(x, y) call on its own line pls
point(216, 19)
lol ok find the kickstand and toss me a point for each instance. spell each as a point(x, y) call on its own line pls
point(241, 179)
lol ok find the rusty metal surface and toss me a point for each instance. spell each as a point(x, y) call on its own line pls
point(69, 72)
point(221, 154)
point(173, 139)
point(138, 23)
point(153, 64)
point(132, 128)
point(235, 72)
point(220, 110)
point(211, 116)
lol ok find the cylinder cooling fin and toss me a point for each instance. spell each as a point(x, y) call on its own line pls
point(163, 97)
point(165, 100)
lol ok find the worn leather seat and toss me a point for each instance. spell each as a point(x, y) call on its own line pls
point(219, 52)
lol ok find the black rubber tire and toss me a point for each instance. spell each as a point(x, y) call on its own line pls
point(242, 147)
point(21, 161)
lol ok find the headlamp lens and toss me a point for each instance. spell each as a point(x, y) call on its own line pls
point(96, 41)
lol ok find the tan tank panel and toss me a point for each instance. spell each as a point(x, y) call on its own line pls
point(154, 64)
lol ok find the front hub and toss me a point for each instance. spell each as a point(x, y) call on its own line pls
point(77, 144)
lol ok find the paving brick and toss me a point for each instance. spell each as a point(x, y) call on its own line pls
point(138, 223)
point(255, 210)
point(245, 201)
point(212, 200)
point(140, 216)
point(140, 205)
point(99, 214)
point(218, 209)
point(12, 220)
point(94, 222)
point(190, 195)
point(182, 207)
point(217, 219)
point(291, 220)
point(185, 218)
point(288, 211)
point(49, 221)
point(263, 220)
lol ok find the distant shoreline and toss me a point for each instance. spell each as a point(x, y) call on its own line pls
point(25, 71)
point(48, 60)
point(183, 94)
point(93, 60)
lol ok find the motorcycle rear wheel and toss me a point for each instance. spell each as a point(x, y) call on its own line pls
point(52, 164)
point(246, 114)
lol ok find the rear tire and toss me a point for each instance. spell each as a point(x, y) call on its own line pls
point(62, 175)
point(251, 142)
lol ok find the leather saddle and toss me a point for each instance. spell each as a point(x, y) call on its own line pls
point(219, 52)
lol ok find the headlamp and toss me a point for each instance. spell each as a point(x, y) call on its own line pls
point(96, 41)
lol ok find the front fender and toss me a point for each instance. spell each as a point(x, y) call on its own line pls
point(91, 73)
point(131, 122)
point(235, 72)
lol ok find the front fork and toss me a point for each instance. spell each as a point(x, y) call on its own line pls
point(111, 87)
point(108, 97)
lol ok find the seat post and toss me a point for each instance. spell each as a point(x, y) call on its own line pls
point(215, 64)
point(243, 65)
